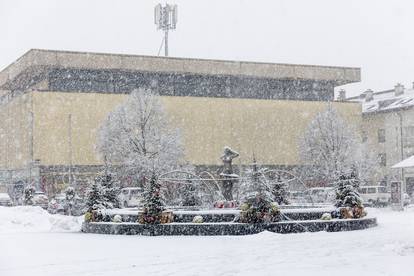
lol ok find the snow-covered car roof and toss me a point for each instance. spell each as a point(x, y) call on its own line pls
point(321, 188)
point(372, 186)
point(131, 188)
point(4, 196)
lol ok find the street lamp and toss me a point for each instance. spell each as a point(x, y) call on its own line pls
point(165, 17)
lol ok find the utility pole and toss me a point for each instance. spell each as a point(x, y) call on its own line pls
point(165, 17)
point(31, 128)
point(402, 158)
point(70, 148)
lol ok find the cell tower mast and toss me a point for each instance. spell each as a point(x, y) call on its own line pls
point(165, 17)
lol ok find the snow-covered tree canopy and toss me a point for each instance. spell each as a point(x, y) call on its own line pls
point(138, 137)
point(329, 147)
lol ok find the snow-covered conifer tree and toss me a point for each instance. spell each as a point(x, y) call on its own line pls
point(255, 184)
point(138, 137)
point(153, 205)
point(69, 193)
point(110, 190)
point(69, 197)
point(28, 195)
point(94, 197)
point(280, 192)
point(257, 198)
point(189, 195)
point(346, 191)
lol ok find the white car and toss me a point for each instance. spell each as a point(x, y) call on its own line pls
point(57, 204)
point(131, 197)
point(374, 195)
point(40, 199)
point(406, 199)
point(5, 200)
point(321, 194)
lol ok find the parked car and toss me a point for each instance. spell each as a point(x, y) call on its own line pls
point(321, 194)
point(57, 204)
point(297, 197)
point(375, 195)
point(5, 200)
point(131, 197)
point(406, 199)
point(79, 206)
point(40, 199)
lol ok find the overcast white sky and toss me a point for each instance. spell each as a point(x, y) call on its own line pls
point(376, 35)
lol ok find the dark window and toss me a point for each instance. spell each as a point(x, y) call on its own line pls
point(382, 157)
point(371, 191)
point(408, 136)
point(381, 135)
point(364, 136)
point(382, 189)
point(363, 190)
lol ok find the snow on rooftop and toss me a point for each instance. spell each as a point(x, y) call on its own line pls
point(386, 101)
point(406, 163)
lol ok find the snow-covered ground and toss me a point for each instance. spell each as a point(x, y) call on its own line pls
point(33, 243)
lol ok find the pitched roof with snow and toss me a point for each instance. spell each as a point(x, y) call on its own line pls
point(385, 101)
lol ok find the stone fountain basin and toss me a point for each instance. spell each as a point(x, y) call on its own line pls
point(227, 228)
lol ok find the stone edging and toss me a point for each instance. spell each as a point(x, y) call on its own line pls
point(214, 229)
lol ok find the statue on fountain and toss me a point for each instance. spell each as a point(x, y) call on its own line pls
point(227, 174)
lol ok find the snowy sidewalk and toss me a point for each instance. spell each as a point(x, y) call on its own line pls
point(41, 251)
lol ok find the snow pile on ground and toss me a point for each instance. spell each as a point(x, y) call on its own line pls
point(35, 219)
point(384, 250)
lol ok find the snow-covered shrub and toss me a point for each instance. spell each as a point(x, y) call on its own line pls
point(88, 216)
point(29, 192)
point(94, 215)
point(117, 219)
point(198, 219)
point(259, 210)
point(326, 216)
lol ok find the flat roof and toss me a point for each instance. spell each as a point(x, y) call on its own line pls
point(38, 58)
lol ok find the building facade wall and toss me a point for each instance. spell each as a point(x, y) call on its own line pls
point(269, 129)
point(15, 132)
point(395, 146)
point(64, 127)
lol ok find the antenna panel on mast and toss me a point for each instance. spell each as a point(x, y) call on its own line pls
point(158, 16)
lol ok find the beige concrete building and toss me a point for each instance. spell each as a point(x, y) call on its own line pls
point(53, 102)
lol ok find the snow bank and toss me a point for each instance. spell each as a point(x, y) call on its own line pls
point(35, 219)
point(384, 250)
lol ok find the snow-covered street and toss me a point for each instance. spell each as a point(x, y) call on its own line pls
point(36, 243)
